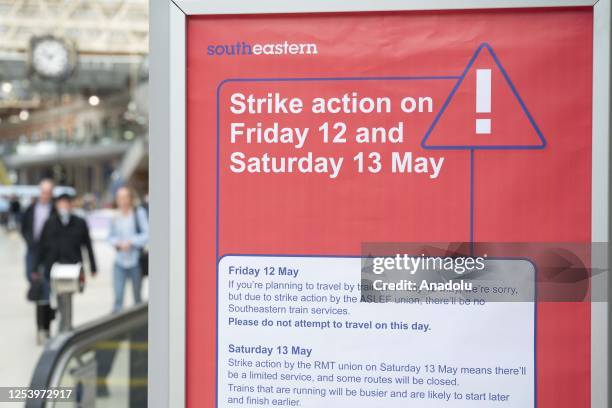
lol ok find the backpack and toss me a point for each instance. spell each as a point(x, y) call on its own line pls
point(143, 258)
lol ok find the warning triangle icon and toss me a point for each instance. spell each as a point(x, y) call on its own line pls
point(484, 111)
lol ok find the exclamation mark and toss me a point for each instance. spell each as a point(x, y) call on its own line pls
point(483, 100)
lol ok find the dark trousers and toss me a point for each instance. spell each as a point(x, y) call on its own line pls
point(44, 313)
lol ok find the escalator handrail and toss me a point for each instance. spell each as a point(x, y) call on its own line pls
point(54, 353)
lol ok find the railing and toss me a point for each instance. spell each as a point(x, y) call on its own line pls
point(104, 362)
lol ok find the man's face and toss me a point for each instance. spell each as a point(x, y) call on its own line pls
point(46, 192)
point(63, 205)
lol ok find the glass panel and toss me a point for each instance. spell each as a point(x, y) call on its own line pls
point(109, 373)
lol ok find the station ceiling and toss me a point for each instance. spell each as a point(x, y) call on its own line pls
point(109, 40)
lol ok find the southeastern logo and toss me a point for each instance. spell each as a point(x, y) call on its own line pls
point(278, 48)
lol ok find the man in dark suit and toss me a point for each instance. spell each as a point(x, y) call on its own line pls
point(34, 219)
point(62, 240)
point(32, 224)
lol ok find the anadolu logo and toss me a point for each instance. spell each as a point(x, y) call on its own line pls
point(241, 48)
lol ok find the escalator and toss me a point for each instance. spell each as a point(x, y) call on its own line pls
point(103, 362)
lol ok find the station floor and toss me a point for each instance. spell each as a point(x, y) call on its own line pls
point(18, 350)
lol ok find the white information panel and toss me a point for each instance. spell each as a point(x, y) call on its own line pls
point(293, 331)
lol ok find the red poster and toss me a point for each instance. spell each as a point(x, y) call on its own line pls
point(484, 135)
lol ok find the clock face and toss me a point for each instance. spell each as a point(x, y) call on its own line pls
point(51, 58)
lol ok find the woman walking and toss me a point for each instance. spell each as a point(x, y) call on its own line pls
point(129, 234)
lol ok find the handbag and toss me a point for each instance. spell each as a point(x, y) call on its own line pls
point(35, 291)
point(143, 256)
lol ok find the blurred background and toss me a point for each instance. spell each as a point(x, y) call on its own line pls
point(73, 108)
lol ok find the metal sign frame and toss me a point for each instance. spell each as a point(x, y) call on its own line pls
point(167, 304)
